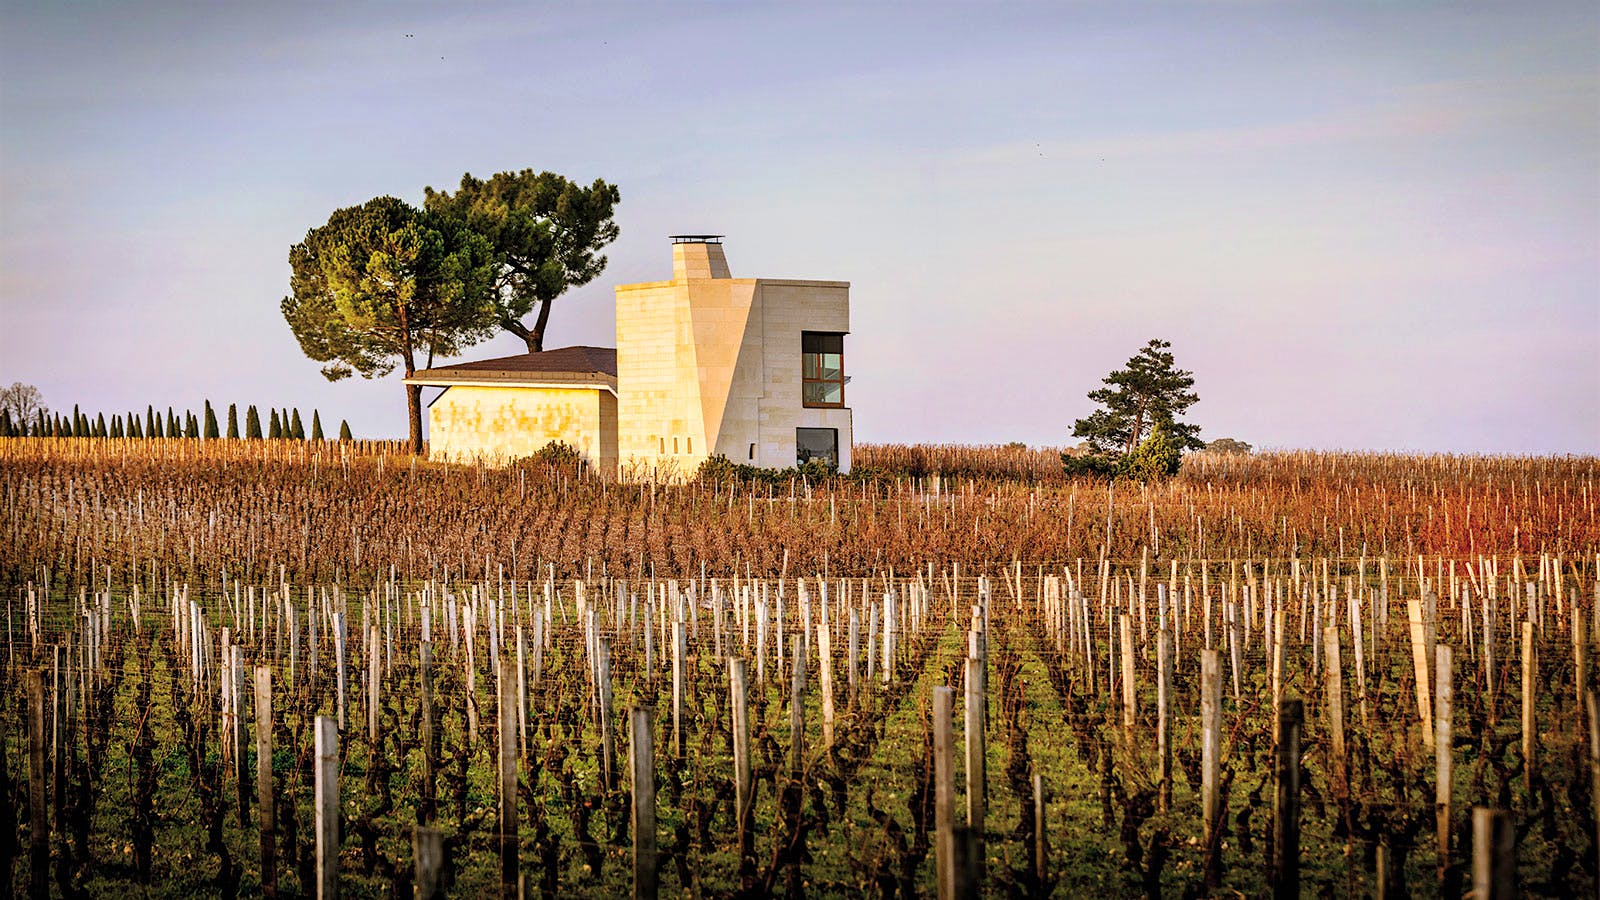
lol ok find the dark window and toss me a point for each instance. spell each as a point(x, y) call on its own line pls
point(816, 443)
point(822, 368)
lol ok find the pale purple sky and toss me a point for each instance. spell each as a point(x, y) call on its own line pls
point(1361, 225)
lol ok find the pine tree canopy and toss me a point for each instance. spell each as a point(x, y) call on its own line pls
point(1151, 393)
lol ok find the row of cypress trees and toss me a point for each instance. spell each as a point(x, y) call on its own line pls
point(283, 425)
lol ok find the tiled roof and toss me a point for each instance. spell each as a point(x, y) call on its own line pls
point(579, 365)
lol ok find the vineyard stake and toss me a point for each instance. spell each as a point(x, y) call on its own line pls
point(1286, 822)
point(1442, 755)
point(738, 689)
point(1419, 658)
point(1592, 706)
point(326, 796)
point(977, 766)
point(241, 780)
point(427, 849)
point(1130, 696)
point(1530, 734)
point(797, 707)
point(429, 741)
point(944, 792)
point(824, 650)
point(1163, 719)
point(265, 807)
point(506, 723)
point(641, 753)
point(38, 814)
point(679, 649)
point(1210, 745)
point(1041, 846)
point(1334, 689)
point(1494, 854)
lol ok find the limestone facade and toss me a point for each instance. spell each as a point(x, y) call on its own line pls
point(711, 364)
point(704, 364)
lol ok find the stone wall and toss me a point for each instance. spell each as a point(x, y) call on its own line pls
point(499, 424)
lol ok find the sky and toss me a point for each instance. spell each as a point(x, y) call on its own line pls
point(1361, 225)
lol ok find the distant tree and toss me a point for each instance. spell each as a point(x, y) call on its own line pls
point(1148, 393)
point(5, 423)
point(316, 426)
point(212, 431)
point(116, 425)
point(344, 432)
point(23, 401)
point(546, 233)
point(174, 427)
point(252, 424)
point(1228, 445)
point(41, 427)
point(233, 421)
point(151, 429)
point(275, 430)
point(385, 284)
point(191, 425)
point(100, 426)
point(297, 430)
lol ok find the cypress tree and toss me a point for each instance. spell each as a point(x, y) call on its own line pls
point(252, 424)
point(212, 432)
point(274, 431)
point(233, 421)
point(191, 425)
point(77, 421)
point(150, 429)
point(172, 424)
point(297, 430)
point(116, 425)
point(344, 432)
point(41, 428)
point(316, 426)
point(63, 428)
point(135, 430)
point(100, 426)
point(5, 423)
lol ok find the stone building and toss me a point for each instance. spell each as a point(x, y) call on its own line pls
point(705, 364)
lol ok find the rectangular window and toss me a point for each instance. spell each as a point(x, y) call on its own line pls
point(816, 443)
point(752, 451)
point(822, 368)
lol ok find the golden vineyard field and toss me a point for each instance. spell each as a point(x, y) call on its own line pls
point(245, 668)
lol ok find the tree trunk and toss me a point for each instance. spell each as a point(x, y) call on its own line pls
point(535, 337)
point(414, 415)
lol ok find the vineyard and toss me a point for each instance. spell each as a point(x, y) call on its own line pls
point(288, 668)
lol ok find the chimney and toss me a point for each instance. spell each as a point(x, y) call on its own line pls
point(698, 256)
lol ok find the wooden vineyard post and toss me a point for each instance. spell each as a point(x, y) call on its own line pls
point(1041, 845)
point(507, 723)
point(427, 848)
point(1591, 703)
point(1530, 733)
point(977, 765)
point(1286, 821)
point(339, 654)
point(1130, 696)
point(824, 651)
point(1419, 659)
point(642, 769)
point(797, 707)
point(853, 652)
point(944, 793)
point(374, 649)
point(1334, 688)
point(1442, 755)
point(738, 677)
point(326, 798)
point(1163, 720)
point(38, 813)
point(428, 739)
point(1211, 752)
point(265, 807)
point(608, 752)
point(680, 644)
point(1494, 854)
point(241, 779)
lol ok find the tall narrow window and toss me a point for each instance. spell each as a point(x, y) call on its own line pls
point(822, 368)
